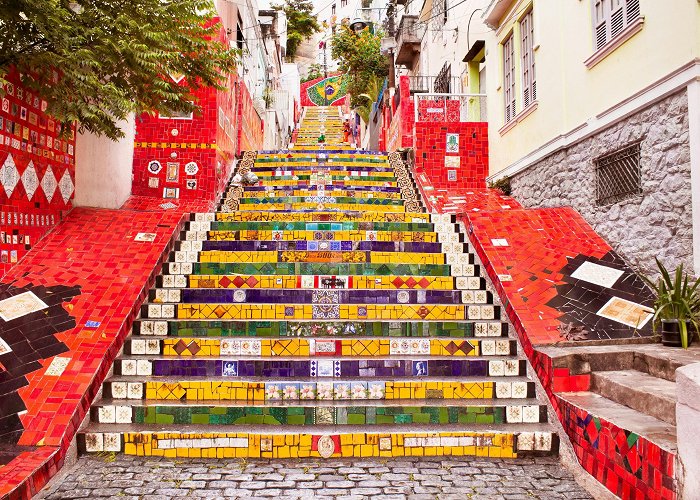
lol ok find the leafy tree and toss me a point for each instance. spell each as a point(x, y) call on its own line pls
point(364, 108)
point(96, 61)
point(359, 56)
point(301, 23)
point(315, 71)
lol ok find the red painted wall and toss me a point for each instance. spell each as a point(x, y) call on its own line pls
point(37, 172)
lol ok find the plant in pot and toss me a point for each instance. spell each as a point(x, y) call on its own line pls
point(677, 305)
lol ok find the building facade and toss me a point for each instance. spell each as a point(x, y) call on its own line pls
point(601, 111)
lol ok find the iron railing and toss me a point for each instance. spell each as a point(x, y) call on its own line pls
point(454, 108)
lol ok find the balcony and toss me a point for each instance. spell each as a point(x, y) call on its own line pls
point(420, 84)
point(408, 39)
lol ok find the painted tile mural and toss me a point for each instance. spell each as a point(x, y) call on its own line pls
point(37, 172)
point(191, 157)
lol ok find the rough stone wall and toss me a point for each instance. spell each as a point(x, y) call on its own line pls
point(656, 223)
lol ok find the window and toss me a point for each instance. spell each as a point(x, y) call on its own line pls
point(509, 77)
point(343, 3)
point(611, 17)
point(528, 60)
point(618, 175)
point(333, 10)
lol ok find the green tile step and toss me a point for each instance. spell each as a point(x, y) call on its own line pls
point(321, 269)
point(319, 329)
point(341, 413)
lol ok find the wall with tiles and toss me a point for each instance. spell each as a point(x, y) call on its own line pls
point(191, 157)
point(453, 154)
point(37, 172)
point(312, 92)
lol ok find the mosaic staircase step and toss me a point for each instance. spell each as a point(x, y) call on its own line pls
point(365, 366)
point(318, 205)
point(316, 296)
point(338, 413)
point(311, 235)
point(177, 271)
point(303, 245)
point(315, 216)
point(144, 329)
point(277, 225)
point(496, 441)
point(350, 191)
point(291, 282)
point(255, 190)
point(261, 311)
point(329, 346)
point(325, 199)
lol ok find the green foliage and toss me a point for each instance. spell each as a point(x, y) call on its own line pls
point(315, 71)
point(677, 298)
point(359, 56)
point(301, 23)
point(375, 85)
point(104, 59)
point(503, 185)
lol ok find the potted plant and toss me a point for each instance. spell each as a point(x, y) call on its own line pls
point(677, 306)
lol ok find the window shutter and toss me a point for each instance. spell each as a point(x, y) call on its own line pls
point(528, 59)
point(509, 77)
point(633, 11)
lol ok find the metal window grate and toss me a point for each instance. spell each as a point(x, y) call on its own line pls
point(618, 175)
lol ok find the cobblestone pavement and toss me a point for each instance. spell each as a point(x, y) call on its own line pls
point(127, 477)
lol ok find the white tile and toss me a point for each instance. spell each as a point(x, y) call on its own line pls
point(138, 346)
point(20, 305)
point(143, 367)
point(598, 275)
point(112, 441)
point(106, 415)
point(123, 414)
point(526, 441)
point(128, 367)
point(543, 441)
point(134, 390)
point(94, 442)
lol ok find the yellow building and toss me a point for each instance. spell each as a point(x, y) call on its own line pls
point(596, 104)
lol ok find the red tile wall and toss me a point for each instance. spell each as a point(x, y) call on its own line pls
point(29, 136)
point(227, 125)
point(430, 148)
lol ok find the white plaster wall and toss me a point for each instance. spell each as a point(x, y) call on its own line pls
point(687, 418)
point(103, 168)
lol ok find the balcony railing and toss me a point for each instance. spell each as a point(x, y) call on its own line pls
point(454, 108)
point(421, 84)
point(408, 39)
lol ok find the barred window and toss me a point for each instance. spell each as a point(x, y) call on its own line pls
point(618, 175)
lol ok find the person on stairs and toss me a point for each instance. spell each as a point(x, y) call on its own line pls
point(346, 130)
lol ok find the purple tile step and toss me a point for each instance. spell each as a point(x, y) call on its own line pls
point(339, 165)
point(324, 367)
point(305, 184)
point(302, 245)
point(295, 296)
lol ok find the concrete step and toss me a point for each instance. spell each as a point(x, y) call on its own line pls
point(657, 431)
point(640, 391)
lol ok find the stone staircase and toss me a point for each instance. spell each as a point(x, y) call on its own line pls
point(320, 313)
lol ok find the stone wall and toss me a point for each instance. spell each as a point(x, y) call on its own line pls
point(656, 223)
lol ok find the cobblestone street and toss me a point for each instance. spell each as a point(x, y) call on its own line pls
point(127, 477)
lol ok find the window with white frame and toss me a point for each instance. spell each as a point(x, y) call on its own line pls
point(509, 77)
point(343, 3)
point(611, 17)
point(527, 33)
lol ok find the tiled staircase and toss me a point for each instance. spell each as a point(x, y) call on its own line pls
point(320, 313)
